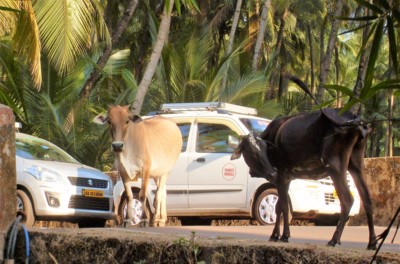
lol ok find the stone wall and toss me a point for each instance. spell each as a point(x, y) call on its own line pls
point(383, 180)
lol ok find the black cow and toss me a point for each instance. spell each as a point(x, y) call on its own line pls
point(311, 146)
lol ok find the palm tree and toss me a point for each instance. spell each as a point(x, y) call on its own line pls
point(261, 34)
point(184, 74)
point(232, 36)
point(117, 33)
point(327, 57)
point(154, 58)
point(63, 30)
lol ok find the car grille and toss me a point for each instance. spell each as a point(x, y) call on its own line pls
point(330, 199)
point(89, 203)
point(88, 182)
point(328, 181)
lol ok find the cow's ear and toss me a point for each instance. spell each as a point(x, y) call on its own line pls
point(236, 153)
point(100, 119)
point(135, 118)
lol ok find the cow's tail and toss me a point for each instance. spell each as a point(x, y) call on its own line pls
point(302, 85)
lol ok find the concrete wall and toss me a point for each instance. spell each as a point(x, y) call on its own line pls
point(383, 179)
point(8, 184)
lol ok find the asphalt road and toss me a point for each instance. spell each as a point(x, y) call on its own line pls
point(353, 236)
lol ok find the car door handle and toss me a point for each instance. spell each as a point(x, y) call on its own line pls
point(201, 160)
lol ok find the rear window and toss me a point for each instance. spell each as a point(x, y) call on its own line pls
point(255, 125)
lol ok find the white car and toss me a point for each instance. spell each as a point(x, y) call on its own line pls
point(51, 185)
point(205, 184)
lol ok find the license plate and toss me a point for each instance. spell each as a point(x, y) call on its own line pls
point(92, 193)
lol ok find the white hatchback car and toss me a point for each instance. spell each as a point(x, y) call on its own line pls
point(51, 185)
point(205, 184)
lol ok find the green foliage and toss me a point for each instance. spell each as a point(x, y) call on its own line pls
point(193, 63)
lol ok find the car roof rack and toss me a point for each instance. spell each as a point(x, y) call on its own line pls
point(220, 107)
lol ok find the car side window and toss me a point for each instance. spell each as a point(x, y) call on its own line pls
point(213, 138)
point(185, 129)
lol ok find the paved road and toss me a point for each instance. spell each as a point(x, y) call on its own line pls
point(353, 236)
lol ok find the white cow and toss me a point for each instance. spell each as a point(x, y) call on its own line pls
point(144, 148)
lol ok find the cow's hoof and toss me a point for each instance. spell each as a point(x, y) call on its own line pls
point(284, 239)
point(372, 246)
point(144, 224)
point(127, 222)
point(273, 239)
point(333, 243)
point(157, 224)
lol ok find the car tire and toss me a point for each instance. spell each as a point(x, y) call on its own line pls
point(86, 223)
point(264, 207)
point(137, 209)
point(193, 221)
point(24, 205)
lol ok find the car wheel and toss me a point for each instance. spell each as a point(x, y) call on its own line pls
point(193, 221)
point(24, 205)
point(137, 209)
point(92, 223)
point(264, 207)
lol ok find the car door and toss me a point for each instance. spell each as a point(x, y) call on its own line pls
point(177, 182)
point(215, 181)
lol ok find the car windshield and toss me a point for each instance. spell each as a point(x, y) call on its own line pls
point(39, 149)
point(255, 125)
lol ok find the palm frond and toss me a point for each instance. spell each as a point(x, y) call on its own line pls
point(8, 16)
point(27, 29)
point(65, 29)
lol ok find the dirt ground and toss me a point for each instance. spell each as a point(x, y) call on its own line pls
point(68, 244)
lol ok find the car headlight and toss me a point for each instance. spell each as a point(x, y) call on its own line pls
point(44, 175)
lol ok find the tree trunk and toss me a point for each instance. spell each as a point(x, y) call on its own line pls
point(279, 40)
point(261, 34)
point(231, 39)
point(122, 25)
point(322, 42)
point(312, 76)
point(162, 35)
point(337, 75)
point(278, 46)
point(282, 85)
point(329, 50)
point(253, 24)
point(379, 135)
point(389, 129)
point(362, 68)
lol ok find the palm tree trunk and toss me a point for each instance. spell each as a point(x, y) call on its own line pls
point(232, 38)
point(337, 71)
point(312, 76)
point(261, 34)
point(389, 129)
point(362, 68)
point(162, 35)
point(329, 50)
point(279, 44)
point(122, 25)
point(253, 25)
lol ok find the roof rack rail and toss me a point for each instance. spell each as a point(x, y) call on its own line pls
point(207, 106)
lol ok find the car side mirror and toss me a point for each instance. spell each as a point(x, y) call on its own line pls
point(233, 142)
